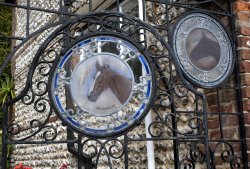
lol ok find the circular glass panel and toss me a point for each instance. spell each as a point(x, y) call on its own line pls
point(203, 49)
point(98, 78)
point(107, 84)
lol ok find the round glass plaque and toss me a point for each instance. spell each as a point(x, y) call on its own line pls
point(102, 86)
point(100, 77)
point(203, 49)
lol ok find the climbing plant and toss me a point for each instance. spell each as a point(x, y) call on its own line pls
point(6, 89)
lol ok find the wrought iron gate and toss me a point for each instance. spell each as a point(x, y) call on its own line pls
point(192, 121)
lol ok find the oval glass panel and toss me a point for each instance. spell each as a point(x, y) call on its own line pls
point(203, 49)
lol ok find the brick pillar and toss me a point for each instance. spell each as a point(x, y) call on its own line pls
point(242, 16)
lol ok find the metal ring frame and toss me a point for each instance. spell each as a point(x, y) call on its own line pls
point(138, 114)
point(219, 73)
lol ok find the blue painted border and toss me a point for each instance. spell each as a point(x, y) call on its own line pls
point(65, 58)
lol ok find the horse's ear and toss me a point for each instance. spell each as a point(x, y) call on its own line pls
point(204, 37)
point(97, 65)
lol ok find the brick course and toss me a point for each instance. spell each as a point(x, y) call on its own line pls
point(244, 54)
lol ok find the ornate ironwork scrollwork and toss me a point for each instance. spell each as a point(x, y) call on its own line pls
point(178, 109)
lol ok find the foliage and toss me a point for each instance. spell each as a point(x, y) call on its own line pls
point(8, 1)
point(6, 89)
point(5, 30)
point(6, 21)
point(4, 50)
point(6, 92)
point(9, 150)
point(6, 84)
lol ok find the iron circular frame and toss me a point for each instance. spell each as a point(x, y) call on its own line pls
point(142, 115)
point(220, 80)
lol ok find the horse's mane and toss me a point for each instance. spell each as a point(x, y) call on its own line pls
point(123, 87)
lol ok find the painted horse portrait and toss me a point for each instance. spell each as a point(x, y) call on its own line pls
point(107, 78)
point(206, 54)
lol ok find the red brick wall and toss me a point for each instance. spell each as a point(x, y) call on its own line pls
point(242, 15)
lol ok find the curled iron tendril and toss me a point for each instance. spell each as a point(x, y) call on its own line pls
point(195, 124)
point(197, 153)
point(113, 148)
point(187, 164)
point(50, 133)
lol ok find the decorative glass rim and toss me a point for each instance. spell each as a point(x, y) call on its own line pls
point(138, 113)
point(209, 73)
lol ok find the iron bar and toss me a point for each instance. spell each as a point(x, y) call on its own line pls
point(4, 138)
point(90, 6)
point(126, 151)
point(28, 19)
point(42, 142)
point(238, 90)
point(219, 110)
point(37, 9)
point(5, 38)
point(205, 123)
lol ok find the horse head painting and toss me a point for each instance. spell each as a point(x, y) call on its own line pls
point(107, 78)
point(205, 52)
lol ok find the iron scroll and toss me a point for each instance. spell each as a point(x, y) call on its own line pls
point(57, 97)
